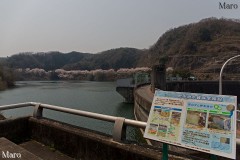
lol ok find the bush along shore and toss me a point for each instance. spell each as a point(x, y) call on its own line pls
point(2, 117)
point(6, 78)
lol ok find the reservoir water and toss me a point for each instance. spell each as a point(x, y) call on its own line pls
point(98, 97)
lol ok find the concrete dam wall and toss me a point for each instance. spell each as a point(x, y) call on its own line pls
point(208, 87)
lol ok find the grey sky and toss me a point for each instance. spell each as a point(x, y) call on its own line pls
point(96, 25)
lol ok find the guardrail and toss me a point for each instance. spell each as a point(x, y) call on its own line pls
point(120, 123)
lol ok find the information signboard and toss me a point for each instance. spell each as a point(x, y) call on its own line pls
point(202, 122)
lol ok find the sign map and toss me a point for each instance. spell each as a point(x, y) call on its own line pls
point(202, 122)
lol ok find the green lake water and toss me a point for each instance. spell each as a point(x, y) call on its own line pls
point(98, 97)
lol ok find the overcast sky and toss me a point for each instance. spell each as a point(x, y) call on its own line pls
point(96, 25)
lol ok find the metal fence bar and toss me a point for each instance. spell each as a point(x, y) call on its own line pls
point(98, 116)
point(13, 106)
point(134, 123)
point(80, 113)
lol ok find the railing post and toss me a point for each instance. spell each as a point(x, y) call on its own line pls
point(119, 129)
point(37, 113)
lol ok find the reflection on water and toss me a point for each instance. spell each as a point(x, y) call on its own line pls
point(99, 97)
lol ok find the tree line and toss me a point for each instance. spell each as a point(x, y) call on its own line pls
point(92, 75)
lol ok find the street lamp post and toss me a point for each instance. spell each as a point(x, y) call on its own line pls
point(220, 77)
point(214, 157)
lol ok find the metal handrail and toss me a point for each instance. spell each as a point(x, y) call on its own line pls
point(118, 129)
point(119, 121)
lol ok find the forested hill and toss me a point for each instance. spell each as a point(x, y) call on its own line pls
point(114, 58)
point(201, 47)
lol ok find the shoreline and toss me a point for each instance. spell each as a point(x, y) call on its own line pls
point(2, 117)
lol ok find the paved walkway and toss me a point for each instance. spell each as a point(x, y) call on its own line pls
point(44, 152)
point(30, 150)
point(10, 150)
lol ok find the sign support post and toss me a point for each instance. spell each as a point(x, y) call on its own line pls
point(213, 157)
point(165, 151)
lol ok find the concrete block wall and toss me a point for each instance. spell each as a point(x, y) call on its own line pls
point(85, 144)
point(15, 129)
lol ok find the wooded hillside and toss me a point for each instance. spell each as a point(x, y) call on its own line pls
point(111, 59)
point(199, 47)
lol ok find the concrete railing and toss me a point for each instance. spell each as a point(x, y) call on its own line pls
point(120, 123)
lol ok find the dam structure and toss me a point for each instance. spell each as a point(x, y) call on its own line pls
point(143, 97)
point(143, 94)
